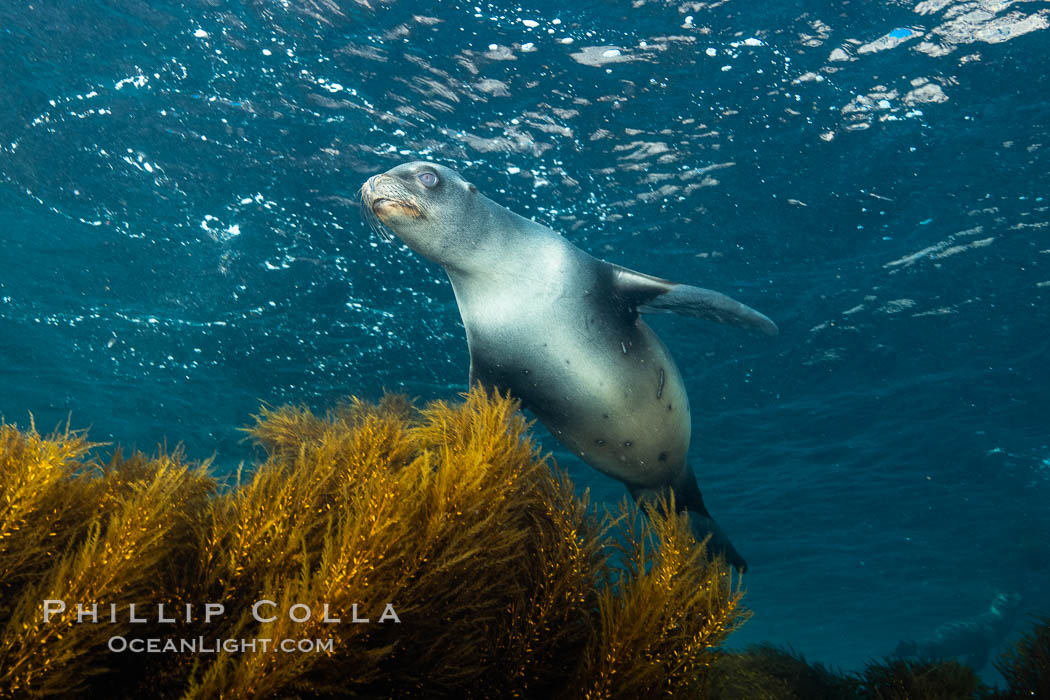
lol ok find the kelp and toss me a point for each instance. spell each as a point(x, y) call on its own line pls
point(658, 623)
point(1026, 666)
point(39, 514)
point(768, 672)
point(504, 582)
point(920, 679)
point(86, 532)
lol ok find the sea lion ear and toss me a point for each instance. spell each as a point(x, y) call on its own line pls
point(648, 294)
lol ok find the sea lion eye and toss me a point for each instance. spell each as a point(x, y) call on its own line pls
point(428, 178)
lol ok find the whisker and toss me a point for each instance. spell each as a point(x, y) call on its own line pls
point(373, 221)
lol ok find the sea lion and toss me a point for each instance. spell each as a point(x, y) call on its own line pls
point(561, 331)
point(970, 640)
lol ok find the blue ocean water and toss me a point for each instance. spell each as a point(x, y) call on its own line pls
point(181, 241)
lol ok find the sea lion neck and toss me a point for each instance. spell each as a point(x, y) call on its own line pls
point(497, 243)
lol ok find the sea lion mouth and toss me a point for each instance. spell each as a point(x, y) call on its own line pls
point(400, 206)
point(381, 202)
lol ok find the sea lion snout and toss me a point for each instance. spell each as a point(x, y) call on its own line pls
point(385, 196)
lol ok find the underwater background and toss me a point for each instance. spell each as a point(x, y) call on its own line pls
point(180, 240)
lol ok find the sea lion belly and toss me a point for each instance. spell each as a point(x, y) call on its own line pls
point(604, 385)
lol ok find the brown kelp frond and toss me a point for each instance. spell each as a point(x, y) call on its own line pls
point(446, 513)
point(922, 679)
point(316, 468)
point(767, 672)
point(124, 478)
point(285, 428)
point(484, 424)
point(479, 571)
point(548, 623)
point(1026, 667)
point(40, 512)
point(658, 632)
point(356, 436)
point(121, 553)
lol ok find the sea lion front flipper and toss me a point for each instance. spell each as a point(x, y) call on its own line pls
point(650, 294)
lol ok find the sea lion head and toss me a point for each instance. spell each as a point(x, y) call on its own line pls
point(431, 208)
point(1005, 604)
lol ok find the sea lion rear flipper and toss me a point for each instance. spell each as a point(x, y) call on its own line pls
point(687, 497)
point(719, 543)
point(650, 294)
